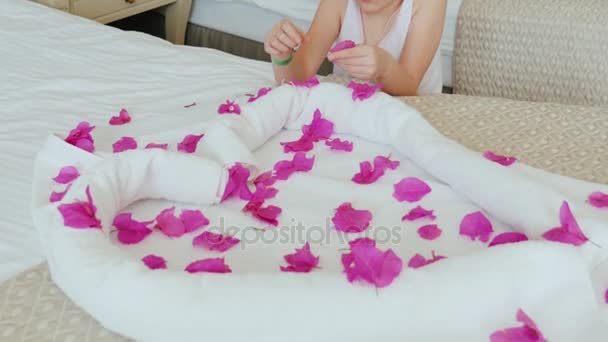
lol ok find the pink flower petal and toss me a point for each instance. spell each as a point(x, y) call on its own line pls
point(411, 190)
point(190, 105)
point(66, 175)
point(319, 128)
point(339, 145)
point(362, 242)
point(158, 146)
point(429, 232)
point(598, 200)
point(363, 91)
point(529, 332)
point(80, 215)
point(508, 237)
point(81, 137)
point(193, 220)
point(215, 242)
point(497, 158)
point(131, 232)
point(285, 168)
point(122, 118)
point(367, 174)
point(124, 144)
point(385, 163)
point(263, 193)
point(303, 144)
point(190, 143)
point(418, 261)
point(476, 226)
point(350, 220)
point(569, 232)
point(58, 196)
point(213, 265)
point(367, 263)
point(237, 183)
point(419, 213)
point(266, 179)
point(154, 262)
point(343, 45)
point(267, 214)
point(169, 224)
point(302, 261)
point(261, 93)
point(312, 82)
point(230, 107)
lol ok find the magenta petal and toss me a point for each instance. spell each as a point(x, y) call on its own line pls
point(267, 214)
point(230, 107)
point(411, 189)
point(343, 45)
point(419, 213)
point(158, 146)
point(319, 128)
point(599, 200)
point(313, 81)
point(169, 224)
point(418, 261)
point(66, 175)
point(339, 145)
point(497, 158)
point(237, 185)
point(529, 332)
point(362, 242)
point(508, 237)
point(80, 215)
point(261, 93)
point(215, 242)
point(154, 262)
point(81, 137)
point(429, 232)
point(58, 196)
point(263, 193)
point(302, 261)
point(190, 143)
point(369, 264)
point(367, 174)
point(124, 144)
point(193, 220)
point(213, 265)
point(476, 226)
point(385, 163)
point(265, 179)
point(350, 220)
point(569, 232)
point(285, 168)
point(303, 144)
point(130, 232)
point(363, 91)
point(122, 118)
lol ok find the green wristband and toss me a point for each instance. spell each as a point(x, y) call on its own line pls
point(284, 62)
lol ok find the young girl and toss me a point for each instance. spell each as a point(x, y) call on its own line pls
point(397, 44)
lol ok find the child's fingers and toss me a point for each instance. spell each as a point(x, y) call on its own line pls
point(292, 32)
point(277, 45)
point(287, 41)
point(355, 52)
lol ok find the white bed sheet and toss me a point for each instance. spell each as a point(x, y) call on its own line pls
point(57, 70)
point(253, 19)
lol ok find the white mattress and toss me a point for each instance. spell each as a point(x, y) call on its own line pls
point(54, 82)
point(253, 19)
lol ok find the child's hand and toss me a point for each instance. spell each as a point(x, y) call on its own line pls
point(364, 62)
point(283, 39)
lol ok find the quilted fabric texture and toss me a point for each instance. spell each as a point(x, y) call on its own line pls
point(545, 50)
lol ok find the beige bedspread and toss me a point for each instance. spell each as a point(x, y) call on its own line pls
point(570, 140)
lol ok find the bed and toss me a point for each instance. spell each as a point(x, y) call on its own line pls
point(55, 82)
point(261, 15)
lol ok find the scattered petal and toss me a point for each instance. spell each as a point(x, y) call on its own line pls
point(302, 261)
point(362, 242)
point(267, 214)
point(265, 179)
point(368, 263)
point(124, 144)
point(169, 224)
point(190, 143)
point(476, 226)
point(215, 242)
point(598, 200)
point(122, 118)
point(350, 220)
point(81, 137)
point(339, 145)
point(343, 45)
point(303, 144)
point(263, 193)
point(190, 105)
point(66, 175)
point(261, 93)
point(386, 163)
point(237, 183)
point(131, 232)
point(419, 213)
point(367, 173)
point(80, 215)
point(230, 107)
point(158, 146)
point(154, 262)
point(569, 232)
point(193, 220)
point(411, 189)
point(312, 82)
point(497, 158)
point(508, 237)
point(319, 128)
point(418, 261)
point(429, 232)
point(529, 332)
point(285, 168)
point(213, 265)
point(58, 196)
point(363, 91)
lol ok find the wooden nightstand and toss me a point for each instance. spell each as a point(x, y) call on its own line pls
point(106, 11)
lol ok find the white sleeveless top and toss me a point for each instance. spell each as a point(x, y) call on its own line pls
point(393, 42)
